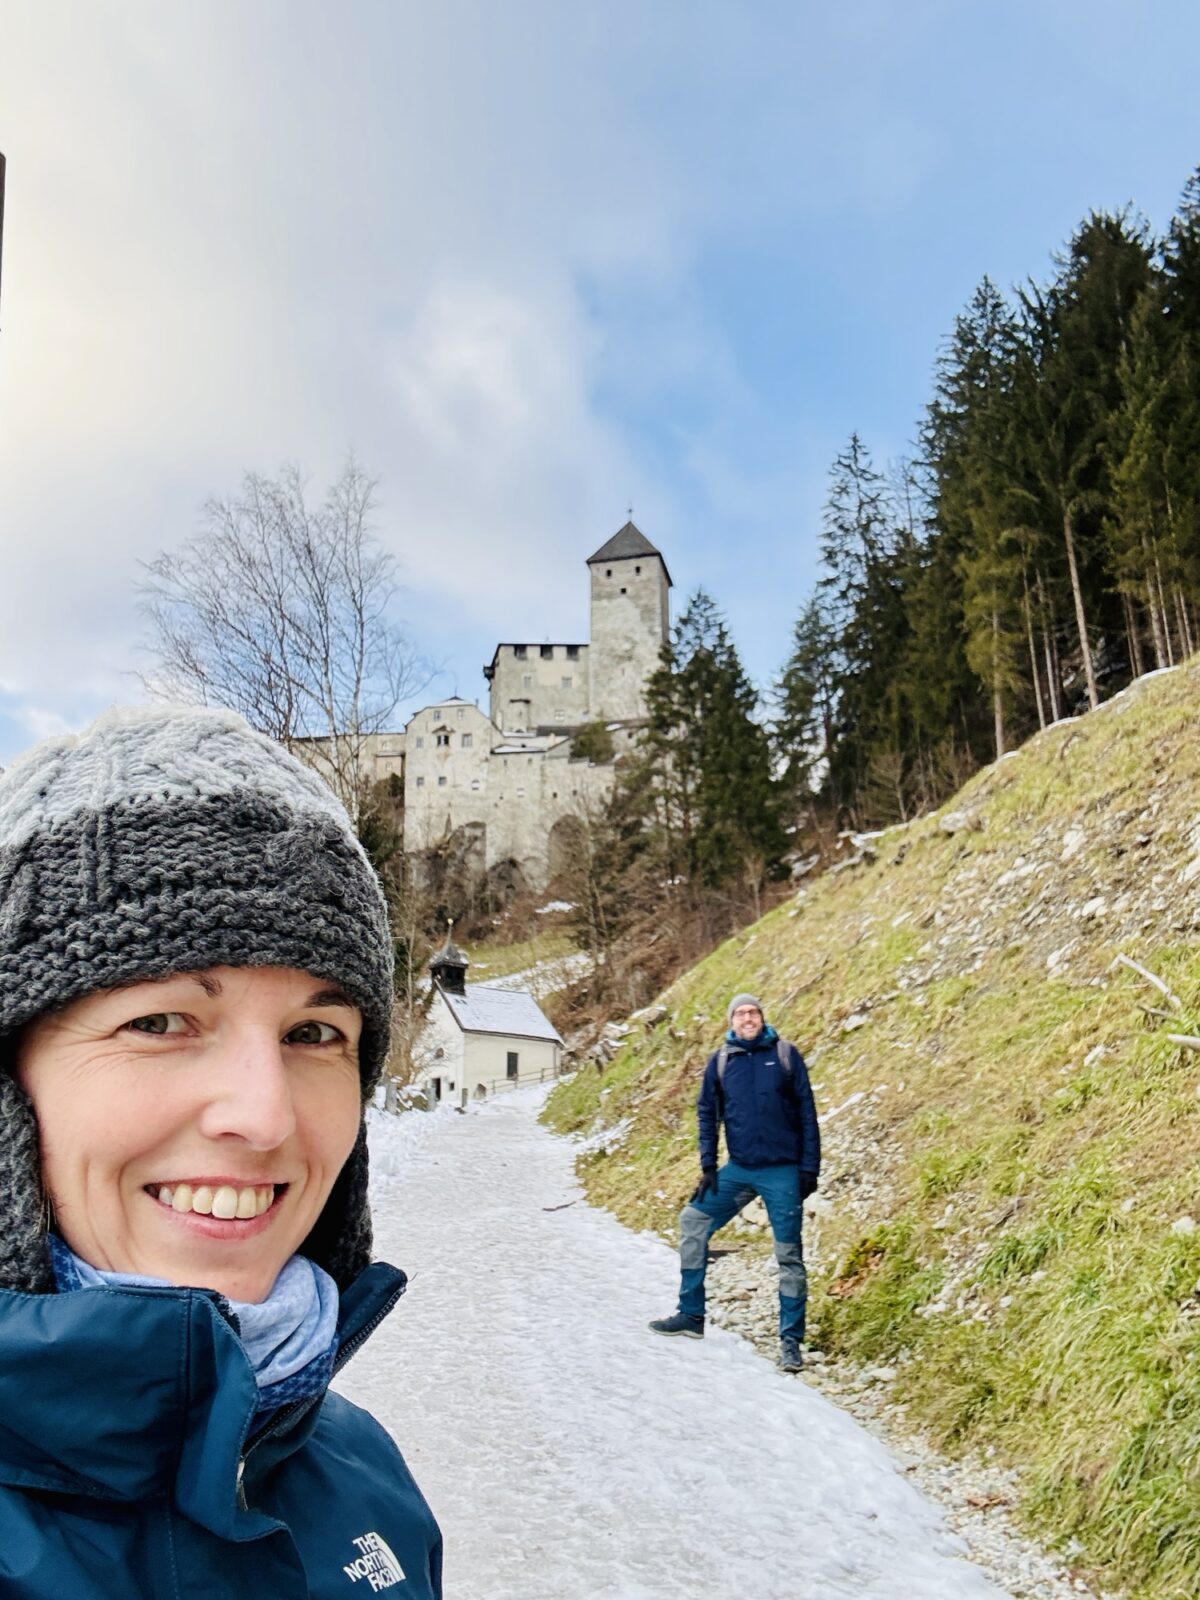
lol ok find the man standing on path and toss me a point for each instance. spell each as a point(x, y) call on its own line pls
point(757, 1084)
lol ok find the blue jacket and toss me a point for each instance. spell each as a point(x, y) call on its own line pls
point(770, 1119)
point(126, 1472)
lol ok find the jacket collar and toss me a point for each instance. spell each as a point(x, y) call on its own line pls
point(765, 1040)
point(120, 1394)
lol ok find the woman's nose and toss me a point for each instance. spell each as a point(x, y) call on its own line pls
point(251, 1095)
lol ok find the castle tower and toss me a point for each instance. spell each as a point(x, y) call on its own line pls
point(630, 610)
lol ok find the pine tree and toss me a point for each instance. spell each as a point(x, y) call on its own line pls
point(711, 756)
point(804, 698)
point(1074, 333)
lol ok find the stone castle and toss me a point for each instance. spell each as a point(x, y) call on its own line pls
point(503, 786)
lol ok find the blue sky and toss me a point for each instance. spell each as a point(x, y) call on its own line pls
point(532, 262)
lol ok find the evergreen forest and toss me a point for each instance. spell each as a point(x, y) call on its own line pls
point(1039, 549)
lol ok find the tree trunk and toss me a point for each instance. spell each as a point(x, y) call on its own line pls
point(1133, 634)
point(1181, 617)
point(1164, 616)
point(1080, 617)
point(1033, 661)
point(997, 690)
point(1053, 681)
point(1152, 609)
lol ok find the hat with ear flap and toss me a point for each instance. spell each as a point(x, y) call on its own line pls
point(172, 839)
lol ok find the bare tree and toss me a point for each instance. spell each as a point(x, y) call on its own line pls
point(283, 611)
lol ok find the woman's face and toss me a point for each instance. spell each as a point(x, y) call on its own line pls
point(192, 1127)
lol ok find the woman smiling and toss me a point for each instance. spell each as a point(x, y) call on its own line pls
point(195, 1003)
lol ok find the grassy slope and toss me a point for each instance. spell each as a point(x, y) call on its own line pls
point(999, 1205)
point(489, 961)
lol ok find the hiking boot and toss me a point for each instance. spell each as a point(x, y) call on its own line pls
point(689, 1327)
point(791, 1356)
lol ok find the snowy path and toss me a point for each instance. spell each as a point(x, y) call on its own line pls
point(568, 1453)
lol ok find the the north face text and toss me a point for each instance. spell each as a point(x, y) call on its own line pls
point(375, 1563)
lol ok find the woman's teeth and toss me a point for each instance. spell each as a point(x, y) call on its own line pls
point(225, 1202)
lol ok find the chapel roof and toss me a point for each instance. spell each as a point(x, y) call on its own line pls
point(484, 1008)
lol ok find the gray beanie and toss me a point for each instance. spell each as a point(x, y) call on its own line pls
point(172, 839)
point(743, 1000)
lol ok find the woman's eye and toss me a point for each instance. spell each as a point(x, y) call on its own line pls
point(313, 1033)
point(159, 1022)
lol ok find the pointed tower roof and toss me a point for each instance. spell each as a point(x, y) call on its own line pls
point(449, 965)
point(627, 542)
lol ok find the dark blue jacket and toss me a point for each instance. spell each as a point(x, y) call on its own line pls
point(126, 1472)
point(770, 1118)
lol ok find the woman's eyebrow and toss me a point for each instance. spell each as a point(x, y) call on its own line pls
point(210, 985)
point(331, 997)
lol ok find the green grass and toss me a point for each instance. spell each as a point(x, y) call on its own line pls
point(501, 960)
point(1037, 1136)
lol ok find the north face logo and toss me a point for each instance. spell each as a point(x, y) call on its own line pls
point(375, 1563)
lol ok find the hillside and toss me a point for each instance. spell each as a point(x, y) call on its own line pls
point(1010, 1205)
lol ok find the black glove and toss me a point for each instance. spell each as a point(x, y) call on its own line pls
point(708, 1181)
point(808, 1184)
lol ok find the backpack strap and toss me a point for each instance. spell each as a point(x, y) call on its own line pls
point(722, 1063)
point(784, 1050)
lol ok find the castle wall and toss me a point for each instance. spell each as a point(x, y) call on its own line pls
point(630, 617)
point(539, 686)
point(447, 753)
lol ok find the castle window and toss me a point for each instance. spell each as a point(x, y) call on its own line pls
point(420, 741)
point(437, 713)
point(608, 572)
point(459, 713)
point(474, 783)
point(622, 591)
point(547, 652)
point(442, 740)
point(567, 682)
point(441, 783)
point(519, 651)
point(637, 570)
point(468, 739)
point(572, 652)
point(527, 681)
point(420, 783)
point(520, 793)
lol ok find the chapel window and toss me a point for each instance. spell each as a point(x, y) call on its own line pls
point(442, 740)
point(547, 652)
point(519, 651)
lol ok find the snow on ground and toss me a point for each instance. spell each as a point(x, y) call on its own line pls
point(570, 1454)
point(545, 977)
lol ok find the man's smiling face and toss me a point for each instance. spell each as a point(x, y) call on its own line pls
point(747, 1022)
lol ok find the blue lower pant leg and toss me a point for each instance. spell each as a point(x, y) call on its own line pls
point(793, 1289)
point(780, 1190)
point(698, 1221)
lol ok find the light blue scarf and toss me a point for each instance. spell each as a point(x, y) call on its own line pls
point(294, 1327)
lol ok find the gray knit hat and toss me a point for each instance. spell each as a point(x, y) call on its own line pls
point(172, 839)
point(742, 1000)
